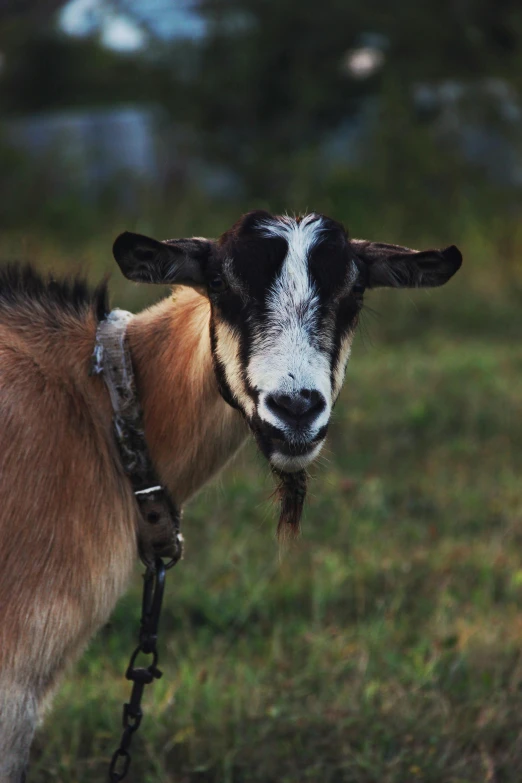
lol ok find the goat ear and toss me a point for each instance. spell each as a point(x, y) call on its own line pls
point(400, 267)
point(146, 260)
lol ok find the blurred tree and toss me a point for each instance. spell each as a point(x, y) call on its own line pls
point(77, 72)
point(450, 38)
point(19, 17)
point(29, 9)
point(268, 80)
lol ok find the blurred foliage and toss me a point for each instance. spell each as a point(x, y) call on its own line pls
point(76, 73)
point(270, 79)
point(268, 82)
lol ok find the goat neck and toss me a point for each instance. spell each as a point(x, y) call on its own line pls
point(190, 430)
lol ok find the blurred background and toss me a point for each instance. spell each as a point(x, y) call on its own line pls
point(386, 647)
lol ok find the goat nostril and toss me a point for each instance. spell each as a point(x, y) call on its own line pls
point(279, 403)
point(302, 406)
point(315, 399)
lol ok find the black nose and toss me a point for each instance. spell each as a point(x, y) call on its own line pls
point(300, 407)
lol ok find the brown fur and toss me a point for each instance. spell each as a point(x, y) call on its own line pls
point(170, 347)
point(67, 512)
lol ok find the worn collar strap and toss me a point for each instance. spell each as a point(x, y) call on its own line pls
point(159, 519)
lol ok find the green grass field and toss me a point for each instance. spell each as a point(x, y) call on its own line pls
point(386, 646)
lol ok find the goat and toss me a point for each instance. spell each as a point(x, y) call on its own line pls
point(255, 337)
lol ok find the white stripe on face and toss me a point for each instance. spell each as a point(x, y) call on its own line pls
point(284, 358)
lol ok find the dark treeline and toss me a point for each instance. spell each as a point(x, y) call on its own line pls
point(270, 82)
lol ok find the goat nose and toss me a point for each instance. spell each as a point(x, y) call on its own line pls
point(300, 407)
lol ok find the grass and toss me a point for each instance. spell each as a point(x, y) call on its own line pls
point(386, 646)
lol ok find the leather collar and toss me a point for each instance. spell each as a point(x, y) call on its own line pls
point(158, 517)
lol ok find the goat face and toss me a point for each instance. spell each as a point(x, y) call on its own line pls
point(285, 297)
point(282, 328)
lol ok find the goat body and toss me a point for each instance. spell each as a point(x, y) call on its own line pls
point(67, 511)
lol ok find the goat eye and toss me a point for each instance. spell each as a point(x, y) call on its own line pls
point(359, 289)
point(217, 284)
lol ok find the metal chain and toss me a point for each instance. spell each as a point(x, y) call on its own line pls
point(153, 588)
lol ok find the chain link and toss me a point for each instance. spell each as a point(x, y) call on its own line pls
point(153, 588)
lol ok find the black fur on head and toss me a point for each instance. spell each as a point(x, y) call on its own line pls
point(291, 493)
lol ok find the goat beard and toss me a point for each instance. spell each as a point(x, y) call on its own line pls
point(291, 493)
